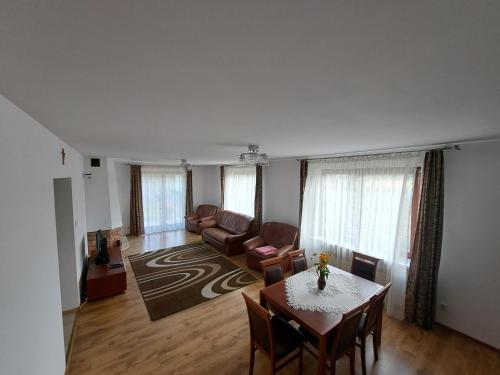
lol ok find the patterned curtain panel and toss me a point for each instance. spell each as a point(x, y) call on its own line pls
point(258, 200)
point(221, 187)
point(189, 191)
point(303, 178)
point(136, 212)
point(420, 306)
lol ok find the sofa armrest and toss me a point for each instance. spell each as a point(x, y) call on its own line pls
point(206, 218)
point(283, 251)
point(208, 224)
point(254, 243)
point(191, 216)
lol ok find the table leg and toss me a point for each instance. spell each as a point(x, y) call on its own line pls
point(322, 355)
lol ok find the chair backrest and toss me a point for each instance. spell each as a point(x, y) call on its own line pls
point(375, 309)
point(278, 234)
point(364, 266)
point(345, 334)
point(272, 270)
point(298, 260)
point(205, 210)
point(260, 324)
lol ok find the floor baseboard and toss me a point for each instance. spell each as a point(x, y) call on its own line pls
point(73, 334)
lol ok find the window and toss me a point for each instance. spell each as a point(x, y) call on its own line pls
point(363, 204)
point(163, 198)
point(239, 189)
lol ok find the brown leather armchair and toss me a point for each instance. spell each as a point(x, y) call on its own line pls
point(280, 235)
point(227, 231)
point(203, 212)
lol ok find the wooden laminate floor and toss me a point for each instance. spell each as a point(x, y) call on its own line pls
point(115, 336)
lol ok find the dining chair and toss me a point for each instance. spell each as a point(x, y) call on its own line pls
point(273, 336)
point(341, 342)
point(272, 270)
point(364, 266)
point(298, 261)
point(371, 323)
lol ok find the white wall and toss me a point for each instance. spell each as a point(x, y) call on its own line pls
point(102, 197)
point(469, 274)
point(114, 203)
point(97, 196)
point(63, 201)
point(199, 186)
point(211, 184)
point(31, 323)
point(281, 180)
point(123, 190)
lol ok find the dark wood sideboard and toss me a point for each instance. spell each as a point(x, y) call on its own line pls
point(103, 281)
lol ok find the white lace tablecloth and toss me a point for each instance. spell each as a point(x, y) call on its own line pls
point(339, 296)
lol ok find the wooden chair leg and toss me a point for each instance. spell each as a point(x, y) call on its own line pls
point(375, 345)
point(363, 355)
point(332, 367)
point(301, 358)
point(252, 359)
point(262, 301)
point(352, 361)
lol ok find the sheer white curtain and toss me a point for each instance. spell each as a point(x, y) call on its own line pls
point(163, 198)
point(363, 204)
point(239, 189)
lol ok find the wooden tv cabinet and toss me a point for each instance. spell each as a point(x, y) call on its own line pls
point(103, 281)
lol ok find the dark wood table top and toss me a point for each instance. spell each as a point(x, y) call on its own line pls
point(317, 322)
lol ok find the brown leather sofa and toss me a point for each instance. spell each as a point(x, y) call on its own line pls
point(203, 212)
point(227, 231)
point(280, 235)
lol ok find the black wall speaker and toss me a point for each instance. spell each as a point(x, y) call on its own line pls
point(95, 162)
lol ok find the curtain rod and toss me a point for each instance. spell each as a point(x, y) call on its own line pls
point(157, 165)
point(379, 152)
point(397, 150)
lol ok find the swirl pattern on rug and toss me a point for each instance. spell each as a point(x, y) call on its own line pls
point(177, 278)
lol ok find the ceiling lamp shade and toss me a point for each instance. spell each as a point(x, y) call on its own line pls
point(253, 157)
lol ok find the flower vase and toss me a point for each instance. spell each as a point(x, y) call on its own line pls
point(321, 281)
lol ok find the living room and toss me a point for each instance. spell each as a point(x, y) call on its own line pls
point(160, 160)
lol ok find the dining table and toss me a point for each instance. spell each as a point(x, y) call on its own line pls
point(321, 324)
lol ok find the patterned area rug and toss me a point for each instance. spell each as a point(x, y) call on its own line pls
point(177, 278)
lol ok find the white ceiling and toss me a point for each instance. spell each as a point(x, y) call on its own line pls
point(165, 80)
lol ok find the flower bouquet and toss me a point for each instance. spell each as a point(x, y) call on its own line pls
point(322, 270)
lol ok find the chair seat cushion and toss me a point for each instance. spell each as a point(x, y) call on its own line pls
point(286, 337)
point(217, 234)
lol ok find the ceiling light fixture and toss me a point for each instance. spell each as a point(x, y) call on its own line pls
point(184, 163)
point(253, 157)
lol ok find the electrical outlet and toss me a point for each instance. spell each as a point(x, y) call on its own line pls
point(443, 306)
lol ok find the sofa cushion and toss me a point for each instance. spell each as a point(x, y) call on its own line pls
point(218, 234)
point(234, 222)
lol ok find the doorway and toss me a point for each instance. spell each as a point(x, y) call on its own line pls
point(63, 202)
